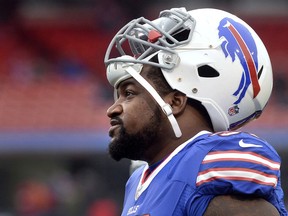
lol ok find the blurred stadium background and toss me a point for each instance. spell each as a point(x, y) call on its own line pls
point(54, 96)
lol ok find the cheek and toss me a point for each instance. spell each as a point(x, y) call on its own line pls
point(137, 117)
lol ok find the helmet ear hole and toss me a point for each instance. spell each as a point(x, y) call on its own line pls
point(207, 72)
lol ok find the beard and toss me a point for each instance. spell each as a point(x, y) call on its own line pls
point(134, 146)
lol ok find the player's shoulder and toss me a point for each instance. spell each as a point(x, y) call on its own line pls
point(239, 162)
point(229, 154)
point(229, 142)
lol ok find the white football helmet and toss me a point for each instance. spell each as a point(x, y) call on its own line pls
point(210, 55)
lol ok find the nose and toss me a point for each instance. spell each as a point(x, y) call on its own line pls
point(114, 110)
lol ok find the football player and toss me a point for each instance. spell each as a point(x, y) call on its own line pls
point(184, 84)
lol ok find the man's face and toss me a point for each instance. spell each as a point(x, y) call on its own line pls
point(135, 122)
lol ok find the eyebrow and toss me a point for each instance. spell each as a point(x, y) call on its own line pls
point(127, 82)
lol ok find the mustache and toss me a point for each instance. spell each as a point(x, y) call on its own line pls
point(116, 121)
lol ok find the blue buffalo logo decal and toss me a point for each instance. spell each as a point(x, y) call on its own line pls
point(239, 42)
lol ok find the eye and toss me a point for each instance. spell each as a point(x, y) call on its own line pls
point(126, 90)
point(129, 93)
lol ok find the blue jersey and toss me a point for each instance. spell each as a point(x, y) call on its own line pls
point(205, 166)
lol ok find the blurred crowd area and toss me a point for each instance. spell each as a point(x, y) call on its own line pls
point(52, 79)
point(51, 60)
point(61, 185)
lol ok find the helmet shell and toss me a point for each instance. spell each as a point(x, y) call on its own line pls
point(239, 88)
point(210, 55)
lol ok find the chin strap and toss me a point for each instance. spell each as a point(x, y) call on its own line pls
point(166, 108)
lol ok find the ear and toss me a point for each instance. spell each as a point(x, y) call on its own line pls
point(177, 101)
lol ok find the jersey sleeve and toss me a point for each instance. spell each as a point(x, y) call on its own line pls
point(239, 164)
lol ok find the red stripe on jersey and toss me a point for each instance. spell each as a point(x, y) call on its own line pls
point(241, 156)
point(243, 174)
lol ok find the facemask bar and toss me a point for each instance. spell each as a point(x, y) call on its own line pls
point(134, 39)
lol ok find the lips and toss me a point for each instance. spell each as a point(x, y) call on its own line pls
point(115, 123)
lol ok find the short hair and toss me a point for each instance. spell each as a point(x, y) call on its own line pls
point(155, 75)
